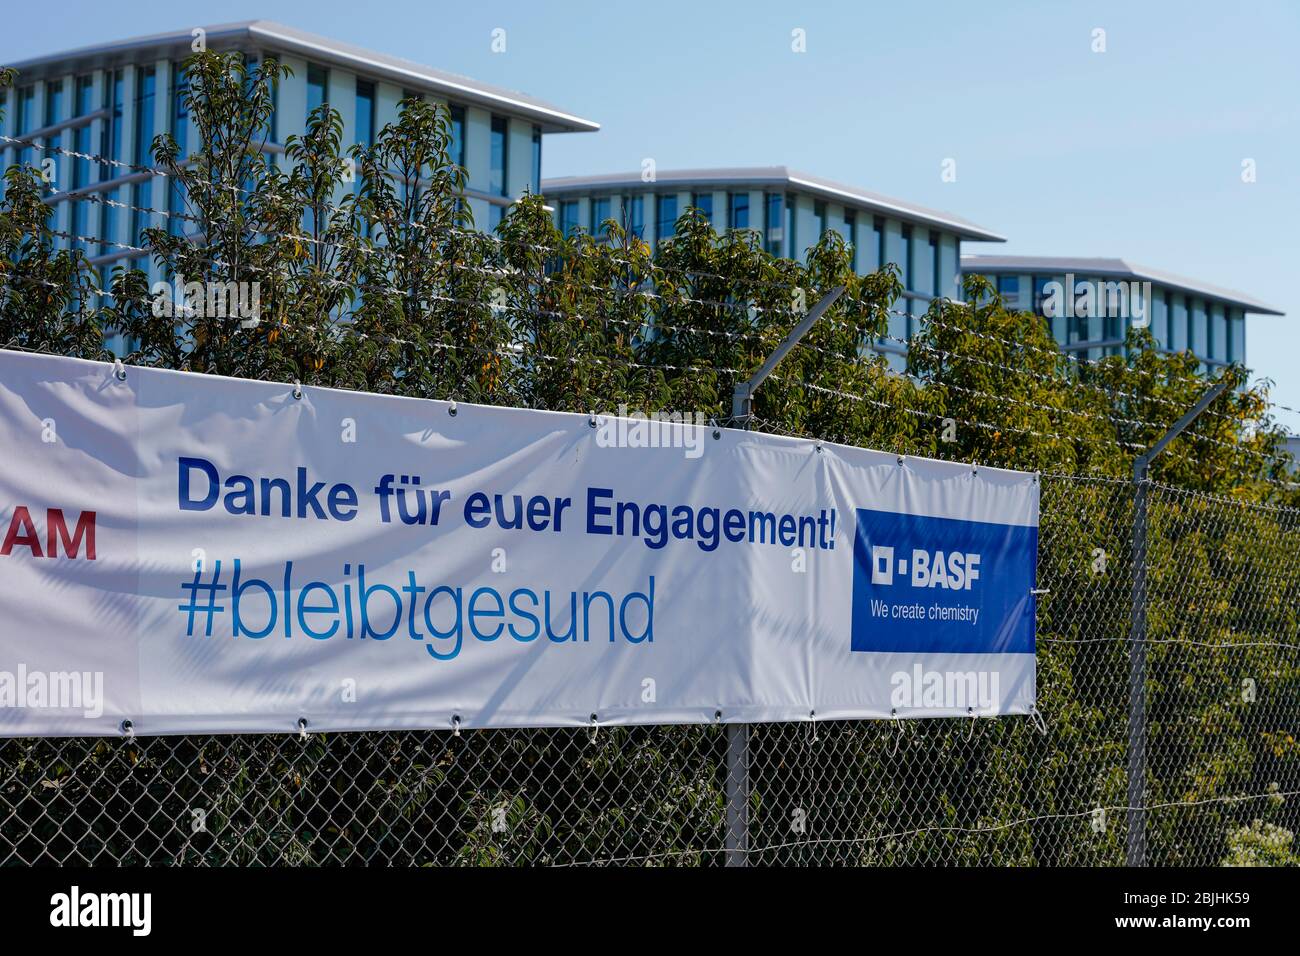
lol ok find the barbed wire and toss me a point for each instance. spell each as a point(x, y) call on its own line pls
point(598, 361)
point(520, 353)
point(331, 209)
point(753, 310)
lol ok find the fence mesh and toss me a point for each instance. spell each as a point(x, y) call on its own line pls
point(1221, 678)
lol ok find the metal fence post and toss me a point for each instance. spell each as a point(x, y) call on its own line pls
point(736, 843)
point(737, 837)
point(1136, 844)
point(742, 398)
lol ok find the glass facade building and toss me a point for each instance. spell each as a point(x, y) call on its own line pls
point(1090, 304)
point(111, 100)
point(790, 211)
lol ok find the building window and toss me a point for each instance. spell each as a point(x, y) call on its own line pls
point(83, 103)
point(1200, 328)
point(1159, 306)
point(599, 213)
point(26, 119)
point(457, 145)
point(1009, 290)
point(791, 222)
point(569, 217)
point(909, 259)
point(5, 110)
point(413, 96)
point(850, 234)
point(365, 116)
point(180, 132)
point(775, 232)
point(1218, 349)
point(634, 216)
point(878, 239)
point(935, 281)
point(1113, 304)
point(364, 121)
point(704, 203)
point(496, 212)
point(738, 210)
point(819, 213)
point(905, 260)
point(1077, 325)
point(537, 160)
point(900, 322)
point(1236, 335)
point(110, 147)
point(1178, 325)
point(268, 131)
point(318, 81)
point(145, 91)
point(53, 114)
point(1040, 294)
point(273, 121)
point(665, 215)
point(498, 178)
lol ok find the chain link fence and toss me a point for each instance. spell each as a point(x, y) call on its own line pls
point(1219, 678)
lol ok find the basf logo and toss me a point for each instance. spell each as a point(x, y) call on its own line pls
point(942, 585)
point(954, 569)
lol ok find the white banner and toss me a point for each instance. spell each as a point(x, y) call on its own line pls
point(190, 553)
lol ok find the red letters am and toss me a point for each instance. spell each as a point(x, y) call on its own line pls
point(22, 533)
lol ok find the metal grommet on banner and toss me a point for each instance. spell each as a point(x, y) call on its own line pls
point(970, 731)
point(119, 370)
point(974, 468)
point(1037, 476)
point(302, 727)
point(893, 716)
point(591, 419)
point(817, 446)
point(812, 717)
point(297, 390)
point(451, 409)
point(1039, 722)
point(900, 459)
point(128, 728)
point(717, 716)
point(717, 432)
point(595, 728)
point(455, 725)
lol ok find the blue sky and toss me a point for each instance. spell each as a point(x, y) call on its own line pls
point(1135, 152)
